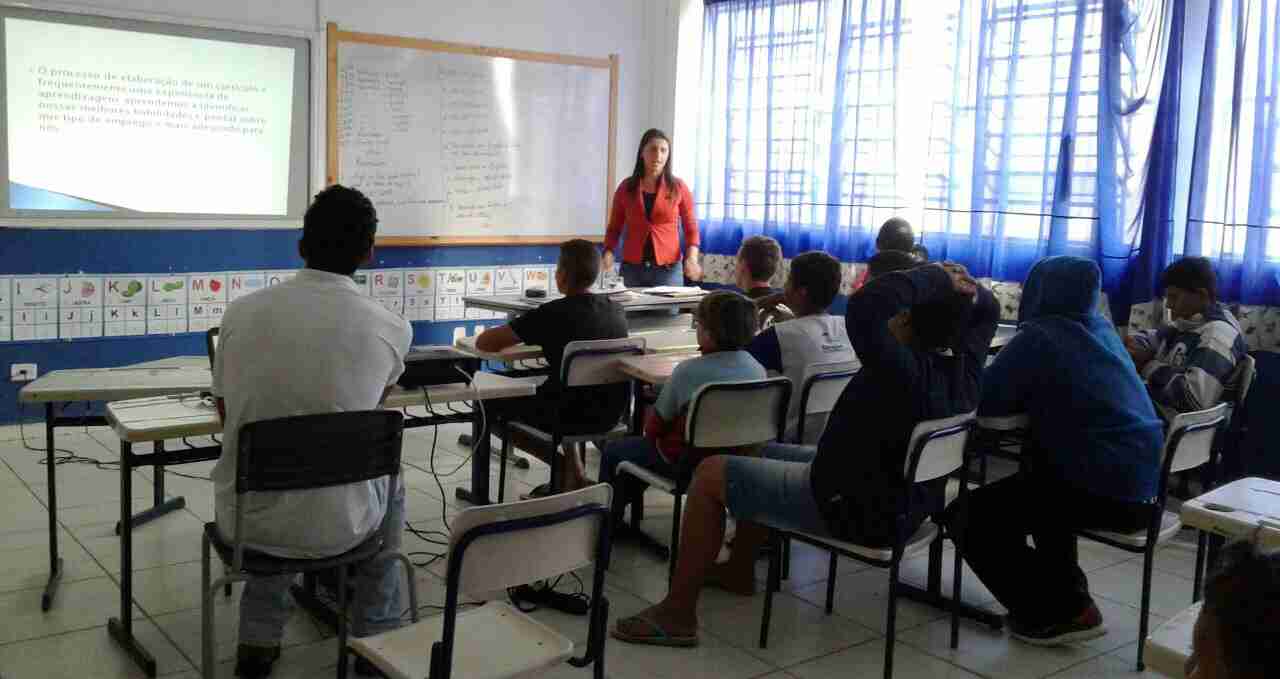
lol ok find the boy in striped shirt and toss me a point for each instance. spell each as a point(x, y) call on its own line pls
point(1188, 364)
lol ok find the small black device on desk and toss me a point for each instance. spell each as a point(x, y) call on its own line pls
point(427, 366)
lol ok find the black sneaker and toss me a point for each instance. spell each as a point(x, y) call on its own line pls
point(541, 491)
point(254, 662)
point(365, 668)
point(1088, 625)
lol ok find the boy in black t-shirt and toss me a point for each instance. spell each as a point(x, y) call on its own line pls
point(579, 315)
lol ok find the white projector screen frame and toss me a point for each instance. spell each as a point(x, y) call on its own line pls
point(300, 164)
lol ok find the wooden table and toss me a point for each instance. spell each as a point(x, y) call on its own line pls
point(59, 388)
point(156, 419)
point(670, 341)
point(653, 369)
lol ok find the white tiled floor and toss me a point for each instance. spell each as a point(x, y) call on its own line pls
point(71, 640)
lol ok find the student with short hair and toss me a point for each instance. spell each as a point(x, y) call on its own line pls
point(895, 235)
point(791, 347)
point(578, 315)
point(1236, 634)
point(315, 344)
point(726, 323)
point(1188, 363)
point(922, 336)
point(758, 261)
point(1093, 446)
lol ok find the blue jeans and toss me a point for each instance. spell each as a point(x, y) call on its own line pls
point(774, 489)
point(640, 276)
point(636, 450)
point(264, 604)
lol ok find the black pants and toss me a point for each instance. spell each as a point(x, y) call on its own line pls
point(1044, 584)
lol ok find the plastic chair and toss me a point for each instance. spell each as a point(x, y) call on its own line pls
point(823, 385)
point(1188, 445)
point(493, 548)
point(722, 415)
point(299, 453)
point(937, 449)
point(587, 363)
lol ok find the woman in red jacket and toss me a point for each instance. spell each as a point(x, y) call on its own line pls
point(647, 204)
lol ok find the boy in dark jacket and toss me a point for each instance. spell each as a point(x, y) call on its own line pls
point(1092, 455)
point(922, 336)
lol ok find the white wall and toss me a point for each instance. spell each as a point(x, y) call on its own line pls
point(594, 28)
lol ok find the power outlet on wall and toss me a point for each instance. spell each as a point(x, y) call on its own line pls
point(22, 372)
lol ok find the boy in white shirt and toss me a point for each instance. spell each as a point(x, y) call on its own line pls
point(814, 337)
point(315, 344)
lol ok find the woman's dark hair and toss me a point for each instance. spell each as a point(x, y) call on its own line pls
point(633, 184)
point(1191, 274)
point(730, 319)
point(338, 230)
point(1243, 598)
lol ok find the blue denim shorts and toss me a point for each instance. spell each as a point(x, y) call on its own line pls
point(774, 489)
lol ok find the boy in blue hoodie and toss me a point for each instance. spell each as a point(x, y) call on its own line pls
point(1092, 455)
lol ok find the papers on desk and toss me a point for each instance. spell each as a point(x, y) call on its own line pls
point(675, 291)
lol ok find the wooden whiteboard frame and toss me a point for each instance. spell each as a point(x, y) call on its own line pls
point(335, 36)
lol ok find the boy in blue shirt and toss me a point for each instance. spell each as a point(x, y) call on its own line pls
point(726, 323)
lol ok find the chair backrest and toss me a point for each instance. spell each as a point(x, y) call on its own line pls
point(211, 343)
point(937, 447)
point(317, 451)
point(1243, 380)
point(595, 362)
point(742, 413)
point(499, 546)
point(823, 384)
point(1189, 442)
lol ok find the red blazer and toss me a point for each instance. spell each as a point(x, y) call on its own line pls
point(628, 211)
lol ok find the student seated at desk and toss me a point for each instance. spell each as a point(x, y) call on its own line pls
point(922, 336)
point(758, 261)
point(815, 336)
point(1187, 364)
point(1236, 634)
point(895, 235)
point(577, 316)
point(315, 344)
point(726, 323)
point(1092, 456)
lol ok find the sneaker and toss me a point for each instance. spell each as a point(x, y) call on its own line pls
point(364, 668)
point(541, 491)
point(1088, 625)
point(254, 662)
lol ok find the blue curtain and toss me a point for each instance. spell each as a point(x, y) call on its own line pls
point(1003, 129)
point(1230, 215)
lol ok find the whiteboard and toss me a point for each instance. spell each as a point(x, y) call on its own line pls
point(455, 145)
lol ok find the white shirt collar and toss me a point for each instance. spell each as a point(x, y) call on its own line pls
point(327, 278)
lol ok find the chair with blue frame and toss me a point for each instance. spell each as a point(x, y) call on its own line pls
point(300, 453)
point(492, 549)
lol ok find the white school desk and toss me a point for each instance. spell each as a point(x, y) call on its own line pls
point(1004, 333)
point(59, 388)
point(669, 341)
point(156, 419)
point(1168, 647)
point(631, 302)
point(1236, 510)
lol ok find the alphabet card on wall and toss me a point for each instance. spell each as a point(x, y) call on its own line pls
point(387, 286)
point(451, 287)
point(167, 305)
point(207, 301)
point(80, 307)
point(35, 308)
point(6, 309)
point(124, 306)
point(508, 281)
point(420, 295)
point(243, 283)
point(278, 277)
point(537, 278)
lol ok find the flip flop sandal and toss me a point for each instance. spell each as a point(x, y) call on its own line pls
point(658, 638)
